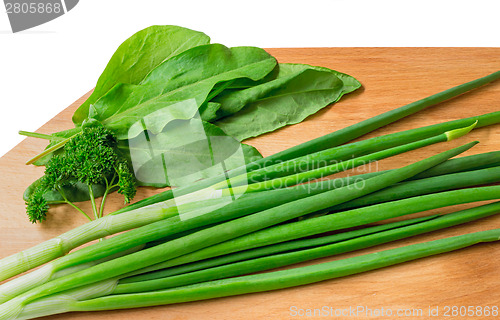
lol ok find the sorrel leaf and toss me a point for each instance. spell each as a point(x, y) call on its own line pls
point(297, 92)
point(138, 55)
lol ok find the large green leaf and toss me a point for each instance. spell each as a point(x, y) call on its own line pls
point(138, 55)
point(191, 75)
point(297, 92)
point(75, 192)
point(186, 151)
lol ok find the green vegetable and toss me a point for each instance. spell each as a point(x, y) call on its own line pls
point(137, 56)
point(52, 248)
point(191, 75)
point(167, 91)
point(90, 159)
point(87, 298)
point(412, 188)
point(455, 173)
point(225, 231)
point(297, 92)
point(157, 222)
point(347, 133)
point(321, 172)
point(472, 162)
point(337, 221)
point(425, 186)
point(352, 132)
point(268, 281)
point(129, 102)
point(188, 103)
point(266, 251)
point(342, 152)
point(324, 247)
point(179, 89)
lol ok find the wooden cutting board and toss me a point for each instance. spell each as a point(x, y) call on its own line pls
point(391, 77)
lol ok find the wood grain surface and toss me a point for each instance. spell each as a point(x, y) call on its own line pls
point(391, 77)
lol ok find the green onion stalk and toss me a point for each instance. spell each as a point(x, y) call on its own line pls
point(162, 222)
point(301, 177)
point(429, 185)
point(111, 224)
point(340, 153)
point(107, 295)
point(279, 279)
point(474, 162)
point(352, 132)
point(396, 192)
point(286, 246)
point(332, 222)
point(223, 231)
point(319, 248)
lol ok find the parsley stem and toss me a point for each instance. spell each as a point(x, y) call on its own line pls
point(105, 195)
point(72, 204)
point(51, 149)
point(40, 135)
point(92, 201)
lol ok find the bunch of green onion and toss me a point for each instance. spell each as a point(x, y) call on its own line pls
point(195, 246)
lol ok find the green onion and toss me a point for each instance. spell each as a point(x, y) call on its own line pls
point(61, 245)
point(472, 162)
point(169, 221)
point(456, 165)
point(339, 166)
point(352, 132)
point(343, 152)
point(336, 221)
point(425, 186)
point(269, 250)
point(224, 232)
point(357, 130)
point(251, 283)
point(160, 218)
point(284, 259)
point(289, 278)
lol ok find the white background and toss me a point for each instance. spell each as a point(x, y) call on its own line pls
point(44, 69)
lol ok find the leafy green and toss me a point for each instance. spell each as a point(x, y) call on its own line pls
point(137, 56)
point(297, 92)
point(74, 191)
point(37, 207)
point(192, 74)
point(89, 158)
point(170, 77)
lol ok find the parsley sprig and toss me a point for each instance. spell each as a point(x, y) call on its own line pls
point(90, 157)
